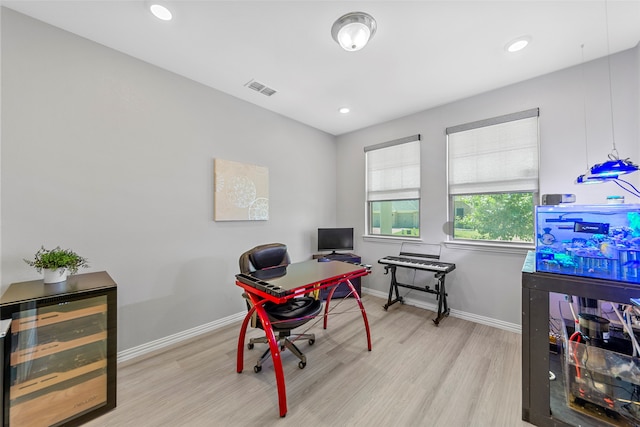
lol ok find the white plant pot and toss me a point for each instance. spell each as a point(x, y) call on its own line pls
point(55, 276)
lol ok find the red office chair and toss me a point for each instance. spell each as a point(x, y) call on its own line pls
point(284, 317)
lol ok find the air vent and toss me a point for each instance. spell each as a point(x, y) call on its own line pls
point(267, 91)
point(259, 87)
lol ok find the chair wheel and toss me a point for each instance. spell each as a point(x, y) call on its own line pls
point(257, 369)
point(301, 365)
point(250, 346)
point(311, 342)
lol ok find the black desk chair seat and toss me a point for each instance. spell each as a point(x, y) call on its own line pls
point(283, 317)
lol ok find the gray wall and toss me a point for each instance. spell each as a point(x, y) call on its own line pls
point(486, 282)
point(113, 157)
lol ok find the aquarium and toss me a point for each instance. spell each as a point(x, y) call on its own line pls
point(601, 241)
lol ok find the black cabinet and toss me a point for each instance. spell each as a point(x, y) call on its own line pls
point(538, 396)
point(60, 350)
point(342, 290)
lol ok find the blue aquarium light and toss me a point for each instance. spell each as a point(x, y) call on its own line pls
point(607, 171)
point(614, 167)
point(592, 179)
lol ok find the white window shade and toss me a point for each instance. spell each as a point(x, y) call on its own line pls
point(500, 157)
point(393, 172)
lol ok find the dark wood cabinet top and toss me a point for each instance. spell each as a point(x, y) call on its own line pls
point(37, 289)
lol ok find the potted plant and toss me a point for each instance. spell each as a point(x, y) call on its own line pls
point(57, 263)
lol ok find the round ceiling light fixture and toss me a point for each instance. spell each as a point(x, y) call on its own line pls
point(353, 30)
point(518, 44)
point(344, 110)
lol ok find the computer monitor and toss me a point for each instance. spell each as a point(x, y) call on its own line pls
point(335, 239)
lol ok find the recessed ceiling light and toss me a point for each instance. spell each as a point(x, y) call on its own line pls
point(518, 44)
point(344, 110)
point(160, 11)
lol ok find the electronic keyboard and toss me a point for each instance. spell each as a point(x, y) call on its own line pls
point(417, 263)
point(419, 257)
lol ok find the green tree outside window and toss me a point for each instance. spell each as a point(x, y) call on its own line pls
point(500, 217)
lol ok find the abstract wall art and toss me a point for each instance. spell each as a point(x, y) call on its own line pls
point(241, 191)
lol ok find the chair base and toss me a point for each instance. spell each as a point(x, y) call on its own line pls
point(283, 342)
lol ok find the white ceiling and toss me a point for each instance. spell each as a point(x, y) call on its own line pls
point(424, 54)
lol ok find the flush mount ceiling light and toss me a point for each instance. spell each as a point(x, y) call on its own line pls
point(518, 44)
point(160, 11)
point(344, 110)
point(353, 30)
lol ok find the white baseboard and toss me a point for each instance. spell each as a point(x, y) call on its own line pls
point(161, 343)
point(500, 324)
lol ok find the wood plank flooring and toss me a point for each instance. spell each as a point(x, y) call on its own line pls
point(457, 374)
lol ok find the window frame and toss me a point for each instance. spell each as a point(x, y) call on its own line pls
point(407, 193)
point(451, 211)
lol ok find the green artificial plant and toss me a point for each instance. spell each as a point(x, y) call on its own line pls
point(57, 258)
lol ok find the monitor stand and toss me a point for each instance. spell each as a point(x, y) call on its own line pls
point(339, 255)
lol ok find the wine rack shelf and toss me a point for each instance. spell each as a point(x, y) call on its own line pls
point(60, 351)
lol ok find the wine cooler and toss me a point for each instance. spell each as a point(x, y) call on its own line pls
point(59, 351)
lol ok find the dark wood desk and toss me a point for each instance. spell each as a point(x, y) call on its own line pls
point(284, 283)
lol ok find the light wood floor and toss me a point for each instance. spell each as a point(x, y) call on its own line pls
point(457, 374)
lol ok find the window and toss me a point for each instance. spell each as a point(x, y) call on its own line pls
point(493, 178)
point(393, 187)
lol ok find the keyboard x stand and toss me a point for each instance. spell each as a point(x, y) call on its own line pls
point(439, 290)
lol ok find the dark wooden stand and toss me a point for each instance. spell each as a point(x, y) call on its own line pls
point(535, 333)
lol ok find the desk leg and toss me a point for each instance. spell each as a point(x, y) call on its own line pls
point(275, 356)
point(258, 304)
point(362, 310)
point(364, 313)
point(327, 302)
point(241, 337)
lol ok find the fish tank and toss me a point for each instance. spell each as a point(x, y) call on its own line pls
point(601, 241)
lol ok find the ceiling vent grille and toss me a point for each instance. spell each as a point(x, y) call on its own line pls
point(259, 87)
